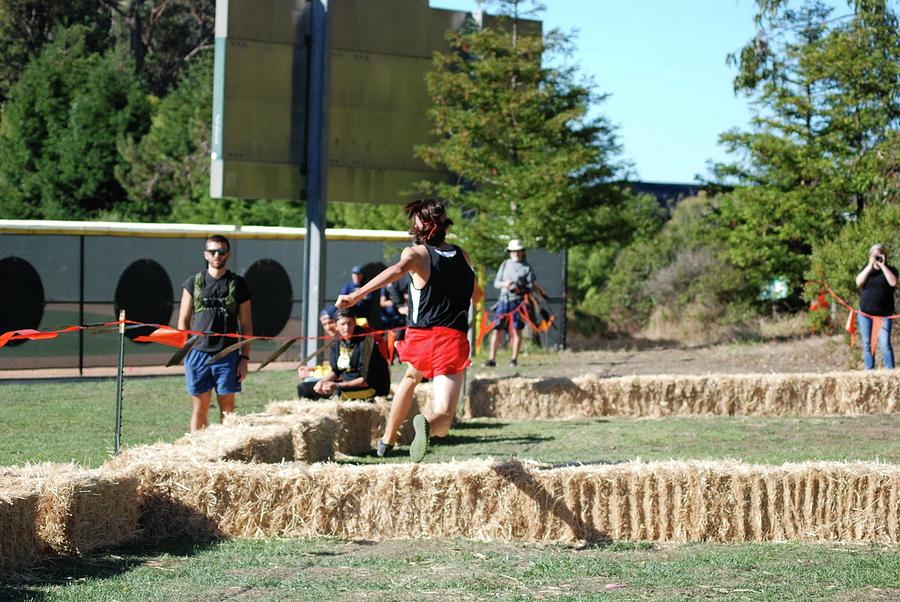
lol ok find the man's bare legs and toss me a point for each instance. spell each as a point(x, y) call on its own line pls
point(401, 404)
point(226, 405)
point(200, 412)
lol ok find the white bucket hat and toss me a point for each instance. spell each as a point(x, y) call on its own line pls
point(515, 245)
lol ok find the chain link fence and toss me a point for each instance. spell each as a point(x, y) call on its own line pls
point(57, 274)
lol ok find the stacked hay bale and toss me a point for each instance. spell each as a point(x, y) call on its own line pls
point(20, 546)
point(664, 501)
point(312, 437)
point(837, 393)
point(63, 509)
point(360, 423)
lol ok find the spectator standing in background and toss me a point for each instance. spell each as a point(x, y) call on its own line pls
point(514, 280)
point(394, 303)
point(215, 300)
point(361, 309)
point(877, 282)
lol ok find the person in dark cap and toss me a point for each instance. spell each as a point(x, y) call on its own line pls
point(360, 310)
point(309, 376)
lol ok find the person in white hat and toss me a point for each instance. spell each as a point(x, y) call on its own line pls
point(514, 279)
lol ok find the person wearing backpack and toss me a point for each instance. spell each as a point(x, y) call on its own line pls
point(215, 300)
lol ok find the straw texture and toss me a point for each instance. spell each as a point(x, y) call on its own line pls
point(664, 501)
point(78, 510)
point(830, 394)
point(19, 543)
point(360, 423)
point(312, 436)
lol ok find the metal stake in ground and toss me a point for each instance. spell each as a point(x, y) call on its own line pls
point(119, 377)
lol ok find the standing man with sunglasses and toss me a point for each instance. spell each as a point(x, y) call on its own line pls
point(215, 300)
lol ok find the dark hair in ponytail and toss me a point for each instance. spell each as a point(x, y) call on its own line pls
point(434, 221)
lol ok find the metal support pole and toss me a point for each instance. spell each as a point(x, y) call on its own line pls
point(119, 381)
point(81, 305)
point(317, 162)
point(565, 295)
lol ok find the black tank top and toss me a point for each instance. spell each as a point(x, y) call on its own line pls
point(445, 298)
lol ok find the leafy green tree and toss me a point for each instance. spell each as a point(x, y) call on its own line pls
point(511, 123)
point(27, 25)
point(827, 94)
point(167, 170)
point(60, 130)
point(684, 266)
point(823, 140)
point(837, 261)
point(163, 36)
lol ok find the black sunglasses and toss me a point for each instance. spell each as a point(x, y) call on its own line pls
point(219, 252)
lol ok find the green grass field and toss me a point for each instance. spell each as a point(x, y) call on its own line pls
point(451, 569)
point(74, 419)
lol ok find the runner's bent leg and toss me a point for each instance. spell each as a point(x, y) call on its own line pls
point(200, 412)
point(446, 396)
point(401, 404)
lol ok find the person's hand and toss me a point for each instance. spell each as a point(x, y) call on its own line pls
point(242, 369)
point(328, 387)
point(508, 284)
point(304, 372)
point(318, 387)
point(403, 310)
point(345, 301)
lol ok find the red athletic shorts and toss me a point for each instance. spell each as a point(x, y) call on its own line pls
point(435, 351)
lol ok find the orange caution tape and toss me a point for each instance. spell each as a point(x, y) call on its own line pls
point(165, 336)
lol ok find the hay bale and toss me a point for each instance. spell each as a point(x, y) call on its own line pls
point(80, 510)
point(357, 418)
point(360, 423)
point(830, 394)
point(266, 443)
point(663, 501)
point(20, 546)
point(313, 437)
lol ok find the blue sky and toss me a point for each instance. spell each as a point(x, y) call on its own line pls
point(663, 64)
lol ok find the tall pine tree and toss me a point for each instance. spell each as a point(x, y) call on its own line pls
point(511, 124)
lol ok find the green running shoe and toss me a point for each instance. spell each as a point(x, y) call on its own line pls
point(419, 446)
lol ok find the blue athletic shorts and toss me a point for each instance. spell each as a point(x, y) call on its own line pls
point(504, 307)
point(221, 375)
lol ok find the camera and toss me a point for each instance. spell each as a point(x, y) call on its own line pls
point(521, 285)
point(879, 258)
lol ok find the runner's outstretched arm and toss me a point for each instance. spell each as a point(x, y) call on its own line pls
point(407, 263)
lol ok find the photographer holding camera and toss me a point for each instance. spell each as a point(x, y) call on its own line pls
point(514, 280)
point(878, 280)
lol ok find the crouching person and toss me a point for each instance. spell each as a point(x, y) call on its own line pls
point(358, 369)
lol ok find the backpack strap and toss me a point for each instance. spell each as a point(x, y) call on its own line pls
point(198, 293)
